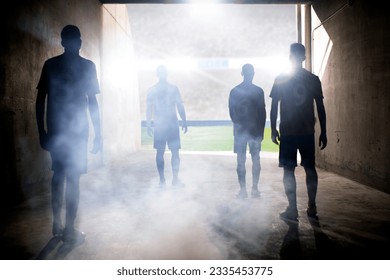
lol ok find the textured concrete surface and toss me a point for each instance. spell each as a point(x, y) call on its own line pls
point(127, 216)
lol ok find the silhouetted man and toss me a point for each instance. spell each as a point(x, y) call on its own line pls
point(163, 104)
point(247, 111)
point(69, 83)
point(297, 91)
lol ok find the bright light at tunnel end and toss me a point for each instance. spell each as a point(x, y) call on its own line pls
point(274, 64)
point(203, 1)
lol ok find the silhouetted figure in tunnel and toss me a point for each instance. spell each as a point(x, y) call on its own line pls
point(297, 92)
point(163, 104)
point(247, 111)
point(69, 84)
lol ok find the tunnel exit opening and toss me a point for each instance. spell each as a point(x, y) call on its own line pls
point(204, 50)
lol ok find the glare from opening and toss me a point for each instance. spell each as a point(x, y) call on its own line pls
point(274, 64)
point(118, 69)
point(202, 2)
point(204, 10)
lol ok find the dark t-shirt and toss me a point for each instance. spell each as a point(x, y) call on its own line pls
point(247, 110)
point(68, 81)
point(164, 97)
point(296, 92)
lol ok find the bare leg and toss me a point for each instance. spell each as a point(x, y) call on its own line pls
point(290, 188)
point(311, 184)
point(175, 162)
point(241, 171)
point(72, 198)
point(160, 164)
point(255, 174)
point(57, 196)
point(255, 170)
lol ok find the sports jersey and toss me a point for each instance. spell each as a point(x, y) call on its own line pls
point(296, 92)
point(164, 97)
point(247, 110)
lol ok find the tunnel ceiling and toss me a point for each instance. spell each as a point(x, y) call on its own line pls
point(220, 1)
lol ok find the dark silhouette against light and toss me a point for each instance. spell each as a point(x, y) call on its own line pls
point(296, 93)
point(247, 111)
point(69, 83)
point(163, 104)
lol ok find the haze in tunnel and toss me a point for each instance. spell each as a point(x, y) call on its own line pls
point(204, 53)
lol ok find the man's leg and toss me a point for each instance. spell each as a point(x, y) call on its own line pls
point(72, 198)
point(311, 185)
point(57, 194)
point(290, 188)
point(160, 165)
point(241, 174)
point(307, 150)
point(288, 160)
point(175, 162)
point(255, 173)
point(254, 148)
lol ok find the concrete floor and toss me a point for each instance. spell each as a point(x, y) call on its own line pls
point(126, 216)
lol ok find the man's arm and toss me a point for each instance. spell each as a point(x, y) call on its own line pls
point(273, 115)
point(263, 113)
point(95, 118)
point(182, 113)
point(231, 107)
point(40, 118)
point(180, 109)
point(323, 141)
point(149, 110)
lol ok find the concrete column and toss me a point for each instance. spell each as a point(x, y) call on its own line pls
point(308, 64)
point(299, 23)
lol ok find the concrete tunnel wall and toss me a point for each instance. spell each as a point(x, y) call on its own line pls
point(31, 35)
point(121, 117)
point(355, 83)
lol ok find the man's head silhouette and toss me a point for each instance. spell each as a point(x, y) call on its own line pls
point(71, 38)
point(297, 52)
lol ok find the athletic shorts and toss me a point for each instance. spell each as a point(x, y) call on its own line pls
point(290, 144)
point(167, 136)
point(242, 141)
